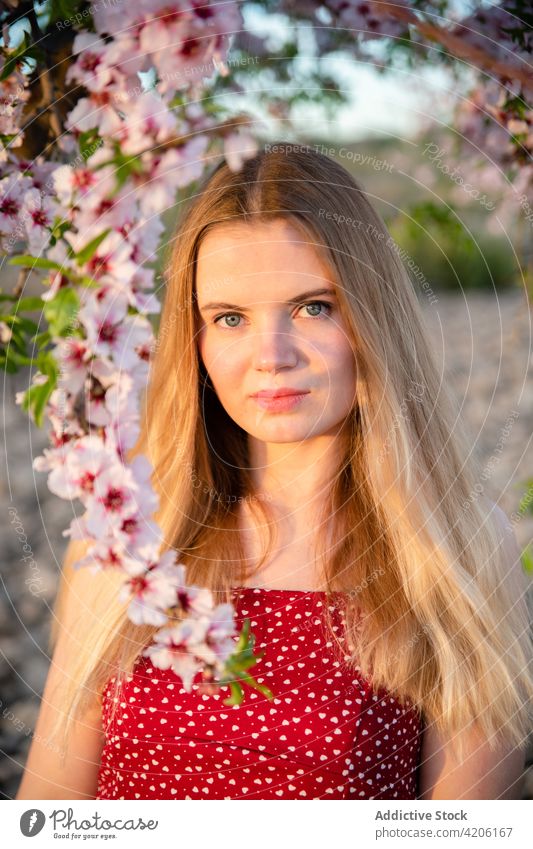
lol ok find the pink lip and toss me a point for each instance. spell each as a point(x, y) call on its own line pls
point(279, 393)
point(280, 403)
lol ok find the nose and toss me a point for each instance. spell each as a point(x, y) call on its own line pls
point(274, 350)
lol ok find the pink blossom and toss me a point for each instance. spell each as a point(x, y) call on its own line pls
point(165, 173)
point(72, 184)
point(238, 147)
point(120, 493)
point(38, 214)
point(13, 189)
point(117, 17)
point(63, 417)
point(97, 214)
point(369, 20)
point(73, 356)
point(42, 176)
point(147, 122)
point(125, 60)
point(133, 346)
point(121, 400)
point(96, 412)
point(104, 66)
point(84, 460)
point(103, 320)
point(13, 95)
point(127, 340)
point(218, 642)
point(90, 68)
point(185, 41)
point(138, 534)
point(104, 554)
point(51, 460)
point(114, 498)
point(193, 600)
point(6, 333)
point(143, 237)
point(152, 588)
point(97, 111)
point(121, 435)
point(111, 263)
point(142, 470)
point(206, 639)
point(173, 648)
point(58, 279)
point(140, 294)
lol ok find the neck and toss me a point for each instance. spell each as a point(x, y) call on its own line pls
point(295, 477)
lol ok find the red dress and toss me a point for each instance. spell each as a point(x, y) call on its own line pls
point(325, 735)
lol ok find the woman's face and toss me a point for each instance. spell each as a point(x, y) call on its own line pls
point(265, 326)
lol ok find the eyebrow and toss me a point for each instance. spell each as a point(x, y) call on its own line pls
point(221, 305)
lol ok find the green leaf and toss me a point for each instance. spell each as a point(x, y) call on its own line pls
point(17, 337)
point(236, 697)
point(6, 361)
point(59, 227)
point(125, 166)
point(25, 50)
point(26, 324)
point(527, 560)
point(40, 399)
point(30, 304)
point(65, 10)
point(34, 262)
point(236, 666)
point(9, 67)
point(61, 311)
point(88, 282)
point(35, 398)
point(18, 358)
point(34, 52)
point(255, 685)
point(526, 501)
point(41, 339)
point(90, 249)
point(89, 142)
point(46, 363)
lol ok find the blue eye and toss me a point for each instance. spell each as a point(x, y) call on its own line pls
point(225, 315)
point(326, 304)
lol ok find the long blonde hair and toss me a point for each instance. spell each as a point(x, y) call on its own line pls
point(415, 546)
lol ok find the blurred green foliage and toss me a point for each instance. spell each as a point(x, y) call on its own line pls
point(450, 254)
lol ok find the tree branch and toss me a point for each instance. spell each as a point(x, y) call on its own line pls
point(456, 45)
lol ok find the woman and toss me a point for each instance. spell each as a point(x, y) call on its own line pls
point(350, 505)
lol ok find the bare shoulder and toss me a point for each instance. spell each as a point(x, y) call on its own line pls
point(482, 773)
point(51, 771)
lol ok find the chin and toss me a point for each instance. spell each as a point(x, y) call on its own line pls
point(281, 432)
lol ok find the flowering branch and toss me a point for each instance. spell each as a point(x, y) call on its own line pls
point(89, 220)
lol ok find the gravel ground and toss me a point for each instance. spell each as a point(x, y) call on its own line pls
point(484, 344)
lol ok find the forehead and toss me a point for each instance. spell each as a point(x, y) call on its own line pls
point(264, 260)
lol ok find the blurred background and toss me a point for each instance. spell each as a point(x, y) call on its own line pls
point(469, 258)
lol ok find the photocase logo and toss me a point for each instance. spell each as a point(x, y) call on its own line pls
point(32, 822)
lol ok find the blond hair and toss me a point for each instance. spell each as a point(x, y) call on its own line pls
point(411, 547)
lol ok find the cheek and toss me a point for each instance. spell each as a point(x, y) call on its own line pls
point(350, 364)
point(222, 359)
point(337, 359)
